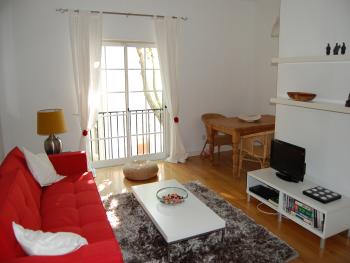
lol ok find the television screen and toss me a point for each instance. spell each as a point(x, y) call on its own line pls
point(288, 160)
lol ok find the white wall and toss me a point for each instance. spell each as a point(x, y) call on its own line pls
point(266, 47)
point(306, 28)
point(2, 34)
point(7, 68)
point(1, 145)
point(36, 69)
point(217, 72)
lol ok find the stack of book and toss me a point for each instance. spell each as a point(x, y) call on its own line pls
point(304, 212)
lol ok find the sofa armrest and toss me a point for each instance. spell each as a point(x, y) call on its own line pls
point(103, 252)
point(69, 163)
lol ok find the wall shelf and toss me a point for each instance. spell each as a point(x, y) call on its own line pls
point(311, 59)
point(312, 105)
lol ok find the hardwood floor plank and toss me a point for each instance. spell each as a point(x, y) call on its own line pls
point(219, 178)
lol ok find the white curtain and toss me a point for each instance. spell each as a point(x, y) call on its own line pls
point(167, 40)
point(85, 30)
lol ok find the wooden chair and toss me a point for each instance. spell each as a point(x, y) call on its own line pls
point(219, 138)
point(256, 148)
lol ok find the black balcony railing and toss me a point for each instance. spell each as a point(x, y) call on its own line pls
point(121, 134)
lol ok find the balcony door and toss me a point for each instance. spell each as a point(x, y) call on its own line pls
point(132, 118)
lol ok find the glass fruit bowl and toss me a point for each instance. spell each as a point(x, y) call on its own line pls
point(171, 195)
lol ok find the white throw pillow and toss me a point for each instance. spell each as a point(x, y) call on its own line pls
point(39, 243)
point(41, 168)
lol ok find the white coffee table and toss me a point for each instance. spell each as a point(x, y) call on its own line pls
point(177, 222)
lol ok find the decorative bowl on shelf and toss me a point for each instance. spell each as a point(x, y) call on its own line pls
point(249, 118)
point(301, 96)
point(171, 195)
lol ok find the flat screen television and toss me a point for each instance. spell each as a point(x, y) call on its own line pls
point(288, 160)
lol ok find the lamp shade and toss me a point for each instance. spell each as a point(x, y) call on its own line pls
point(50, 121)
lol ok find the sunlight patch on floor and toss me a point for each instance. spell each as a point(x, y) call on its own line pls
point(227, 196)
point(113, 204)
point(113, 219)
point(104, 184)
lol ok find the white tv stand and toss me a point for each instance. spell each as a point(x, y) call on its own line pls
point(336, 213)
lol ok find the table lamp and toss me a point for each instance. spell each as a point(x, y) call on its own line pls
point(49, 122)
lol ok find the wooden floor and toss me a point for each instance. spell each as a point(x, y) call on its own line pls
point(219, 178)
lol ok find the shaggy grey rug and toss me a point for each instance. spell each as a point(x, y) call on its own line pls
point(245, 241)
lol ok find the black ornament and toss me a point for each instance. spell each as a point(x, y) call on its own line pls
point(347, 103)
point(328, 49)
point(343, 49)
point(336, 49)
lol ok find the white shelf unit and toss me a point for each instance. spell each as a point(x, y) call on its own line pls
point(336, 213)
point(312, 105)
point(311, 59)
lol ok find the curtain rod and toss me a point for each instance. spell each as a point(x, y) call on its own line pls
point(64, 10)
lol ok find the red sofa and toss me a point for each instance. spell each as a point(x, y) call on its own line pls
point(71, 205)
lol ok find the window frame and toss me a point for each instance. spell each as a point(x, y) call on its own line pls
point(104, 101)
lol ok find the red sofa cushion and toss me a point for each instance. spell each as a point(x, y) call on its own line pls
point(16, 160)
point(74, 205)
point(69, 163)
point(16, 204)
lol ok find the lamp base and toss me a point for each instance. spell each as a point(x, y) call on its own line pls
point(53, 145)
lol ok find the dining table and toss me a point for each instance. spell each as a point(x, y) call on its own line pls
point(237, 127)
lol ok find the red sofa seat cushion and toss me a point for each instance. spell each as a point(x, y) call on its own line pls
point(16, 204)
point(74, 205)
point(16, 160)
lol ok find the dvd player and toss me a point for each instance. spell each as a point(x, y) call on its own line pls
point(264, 191)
